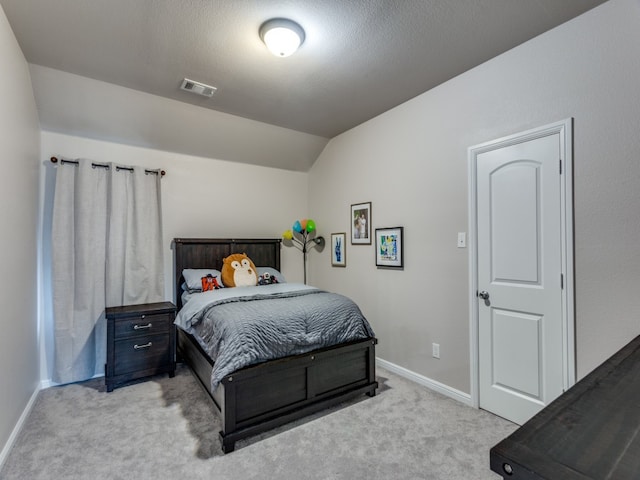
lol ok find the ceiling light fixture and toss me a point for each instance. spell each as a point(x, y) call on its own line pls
point(281, 36)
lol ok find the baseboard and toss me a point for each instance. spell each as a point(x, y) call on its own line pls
point(46, 384)
point(16, 430)
point(425, 381)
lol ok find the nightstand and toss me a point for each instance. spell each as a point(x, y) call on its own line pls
point(141, 341)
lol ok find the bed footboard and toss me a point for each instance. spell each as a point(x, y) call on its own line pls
point(258, 398)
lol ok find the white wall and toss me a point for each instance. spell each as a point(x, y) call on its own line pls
point(411, 162)
point(201, 197)
point(19, 137)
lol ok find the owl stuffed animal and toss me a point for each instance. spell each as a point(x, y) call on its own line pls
point(239, 271)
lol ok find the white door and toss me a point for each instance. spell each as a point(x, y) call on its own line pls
point(521, 250)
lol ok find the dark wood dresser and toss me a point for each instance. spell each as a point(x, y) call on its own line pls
point(141, 341)
point(592, 431)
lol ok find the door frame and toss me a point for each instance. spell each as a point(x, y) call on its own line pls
point(565, 129)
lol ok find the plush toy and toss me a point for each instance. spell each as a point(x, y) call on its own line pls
point(239, 271)
point(267, 279)
point(210, 283)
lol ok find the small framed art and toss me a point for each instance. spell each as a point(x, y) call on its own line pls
point(389, 247)
point(361, 224)
point(339, 249)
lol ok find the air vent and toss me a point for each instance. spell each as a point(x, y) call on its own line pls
point(197, 87)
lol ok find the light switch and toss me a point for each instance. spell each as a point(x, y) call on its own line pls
point(462, 239)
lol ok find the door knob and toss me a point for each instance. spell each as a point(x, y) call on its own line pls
point(485, 296)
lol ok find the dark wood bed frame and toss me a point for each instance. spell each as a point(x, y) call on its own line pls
point(261, 397)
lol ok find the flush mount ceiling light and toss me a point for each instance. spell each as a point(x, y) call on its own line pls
point(281, 36)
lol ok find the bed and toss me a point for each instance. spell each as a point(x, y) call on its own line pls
point(260, 397)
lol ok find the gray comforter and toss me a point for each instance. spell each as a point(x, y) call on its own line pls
point(239, 327)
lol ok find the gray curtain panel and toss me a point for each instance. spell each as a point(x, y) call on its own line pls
point(106, 245)
point(134, 248)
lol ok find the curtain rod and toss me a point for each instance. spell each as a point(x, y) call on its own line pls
point(102, 165)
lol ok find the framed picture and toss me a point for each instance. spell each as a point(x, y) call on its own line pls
point(389, 247)
point(339, 249)
point(361, 224)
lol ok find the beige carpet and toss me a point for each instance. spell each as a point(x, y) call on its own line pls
point(167, 428)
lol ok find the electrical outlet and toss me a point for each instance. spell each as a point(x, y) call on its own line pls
point(436, 350)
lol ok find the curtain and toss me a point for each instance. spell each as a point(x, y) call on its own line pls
point(106, 248)
point(134, 250)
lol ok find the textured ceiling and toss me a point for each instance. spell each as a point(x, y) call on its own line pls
point(360, 57)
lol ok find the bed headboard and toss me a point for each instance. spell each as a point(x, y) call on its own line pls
point(209, 253)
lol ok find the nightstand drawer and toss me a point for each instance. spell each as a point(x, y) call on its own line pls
point(143, 324)
point(142, 353)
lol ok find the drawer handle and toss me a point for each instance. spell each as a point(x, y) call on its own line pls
point(146, 345)
point(142, 327)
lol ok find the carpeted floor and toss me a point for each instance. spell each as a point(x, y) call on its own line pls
point(167, 428)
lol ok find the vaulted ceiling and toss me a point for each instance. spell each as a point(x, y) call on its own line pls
point(359, 59)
